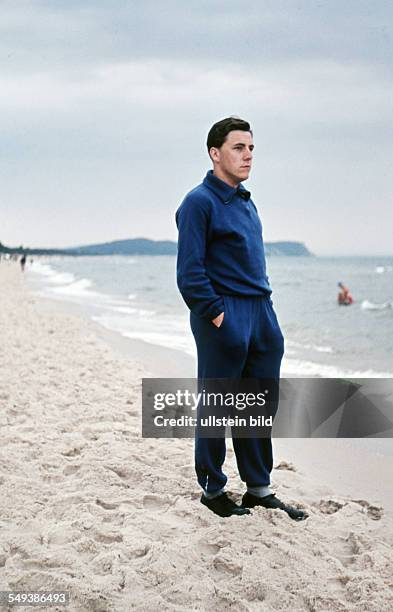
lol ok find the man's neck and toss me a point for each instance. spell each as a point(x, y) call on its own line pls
point(227, 179)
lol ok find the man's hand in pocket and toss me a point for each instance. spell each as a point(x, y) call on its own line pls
point(218, 320)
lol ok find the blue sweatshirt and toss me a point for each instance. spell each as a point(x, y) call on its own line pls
point(220, 247)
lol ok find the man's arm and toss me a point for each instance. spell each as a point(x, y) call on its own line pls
point(192, 220)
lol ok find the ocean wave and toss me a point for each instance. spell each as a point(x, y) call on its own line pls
point(293, 344)
point(79, 287)
point(62, 278)
point(44, 269)
point(151, 329)
point(367, 305)
point(310, 368)
point(142, 312)
point(52, 275)
point(383, 269)
point(180, 343)
point(70, 287)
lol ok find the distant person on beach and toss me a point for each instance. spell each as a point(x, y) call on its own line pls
point(344, 298)
point(23, 262)
point(221, 274)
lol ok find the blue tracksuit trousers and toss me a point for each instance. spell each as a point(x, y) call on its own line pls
point(248, 344)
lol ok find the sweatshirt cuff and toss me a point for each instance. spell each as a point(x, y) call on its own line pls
point(214, 310)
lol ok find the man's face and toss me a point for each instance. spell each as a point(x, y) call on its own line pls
point(232, 161)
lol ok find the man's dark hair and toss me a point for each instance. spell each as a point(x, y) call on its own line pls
point(220, 130)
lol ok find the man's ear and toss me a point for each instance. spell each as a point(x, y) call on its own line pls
point(214, 154)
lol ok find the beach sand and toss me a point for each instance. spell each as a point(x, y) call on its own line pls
point(88, 506)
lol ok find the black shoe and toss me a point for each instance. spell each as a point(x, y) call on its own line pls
point(271, 501)
point(223, 505)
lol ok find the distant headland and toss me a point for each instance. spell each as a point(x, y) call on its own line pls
point(144, 246)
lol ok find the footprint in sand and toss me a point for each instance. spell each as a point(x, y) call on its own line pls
point(73, 452)
point(71, 469)
point(212, 548)
point(155, 502)
point(353, 547)
point(106, 505)
point(125, 473)
point(329, 506)
point(187, 470)
point(284, 465)
point(227, 566)
point(108, 538)
point(374, 512)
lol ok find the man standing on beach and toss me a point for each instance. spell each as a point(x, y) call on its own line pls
point(221, 274)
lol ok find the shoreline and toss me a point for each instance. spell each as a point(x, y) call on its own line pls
point(161, 362)
point(89, 506)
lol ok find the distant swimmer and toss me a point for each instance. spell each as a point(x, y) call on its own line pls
point(23, 262)
point(344, 298)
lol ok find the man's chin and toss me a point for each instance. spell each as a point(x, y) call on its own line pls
point(244, 176)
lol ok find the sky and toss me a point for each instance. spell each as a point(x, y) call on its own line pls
point(105, 107)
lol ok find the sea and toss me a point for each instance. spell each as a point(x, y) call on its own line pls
point(137, 297)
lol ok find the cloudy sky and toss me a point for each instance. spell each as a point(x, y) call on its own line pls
point(105, 107)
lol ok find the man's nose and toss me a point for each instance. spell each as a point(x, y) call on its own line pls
point(248, 154)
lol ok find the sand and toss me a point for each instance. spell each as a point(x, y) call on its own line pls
point(88, 506)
